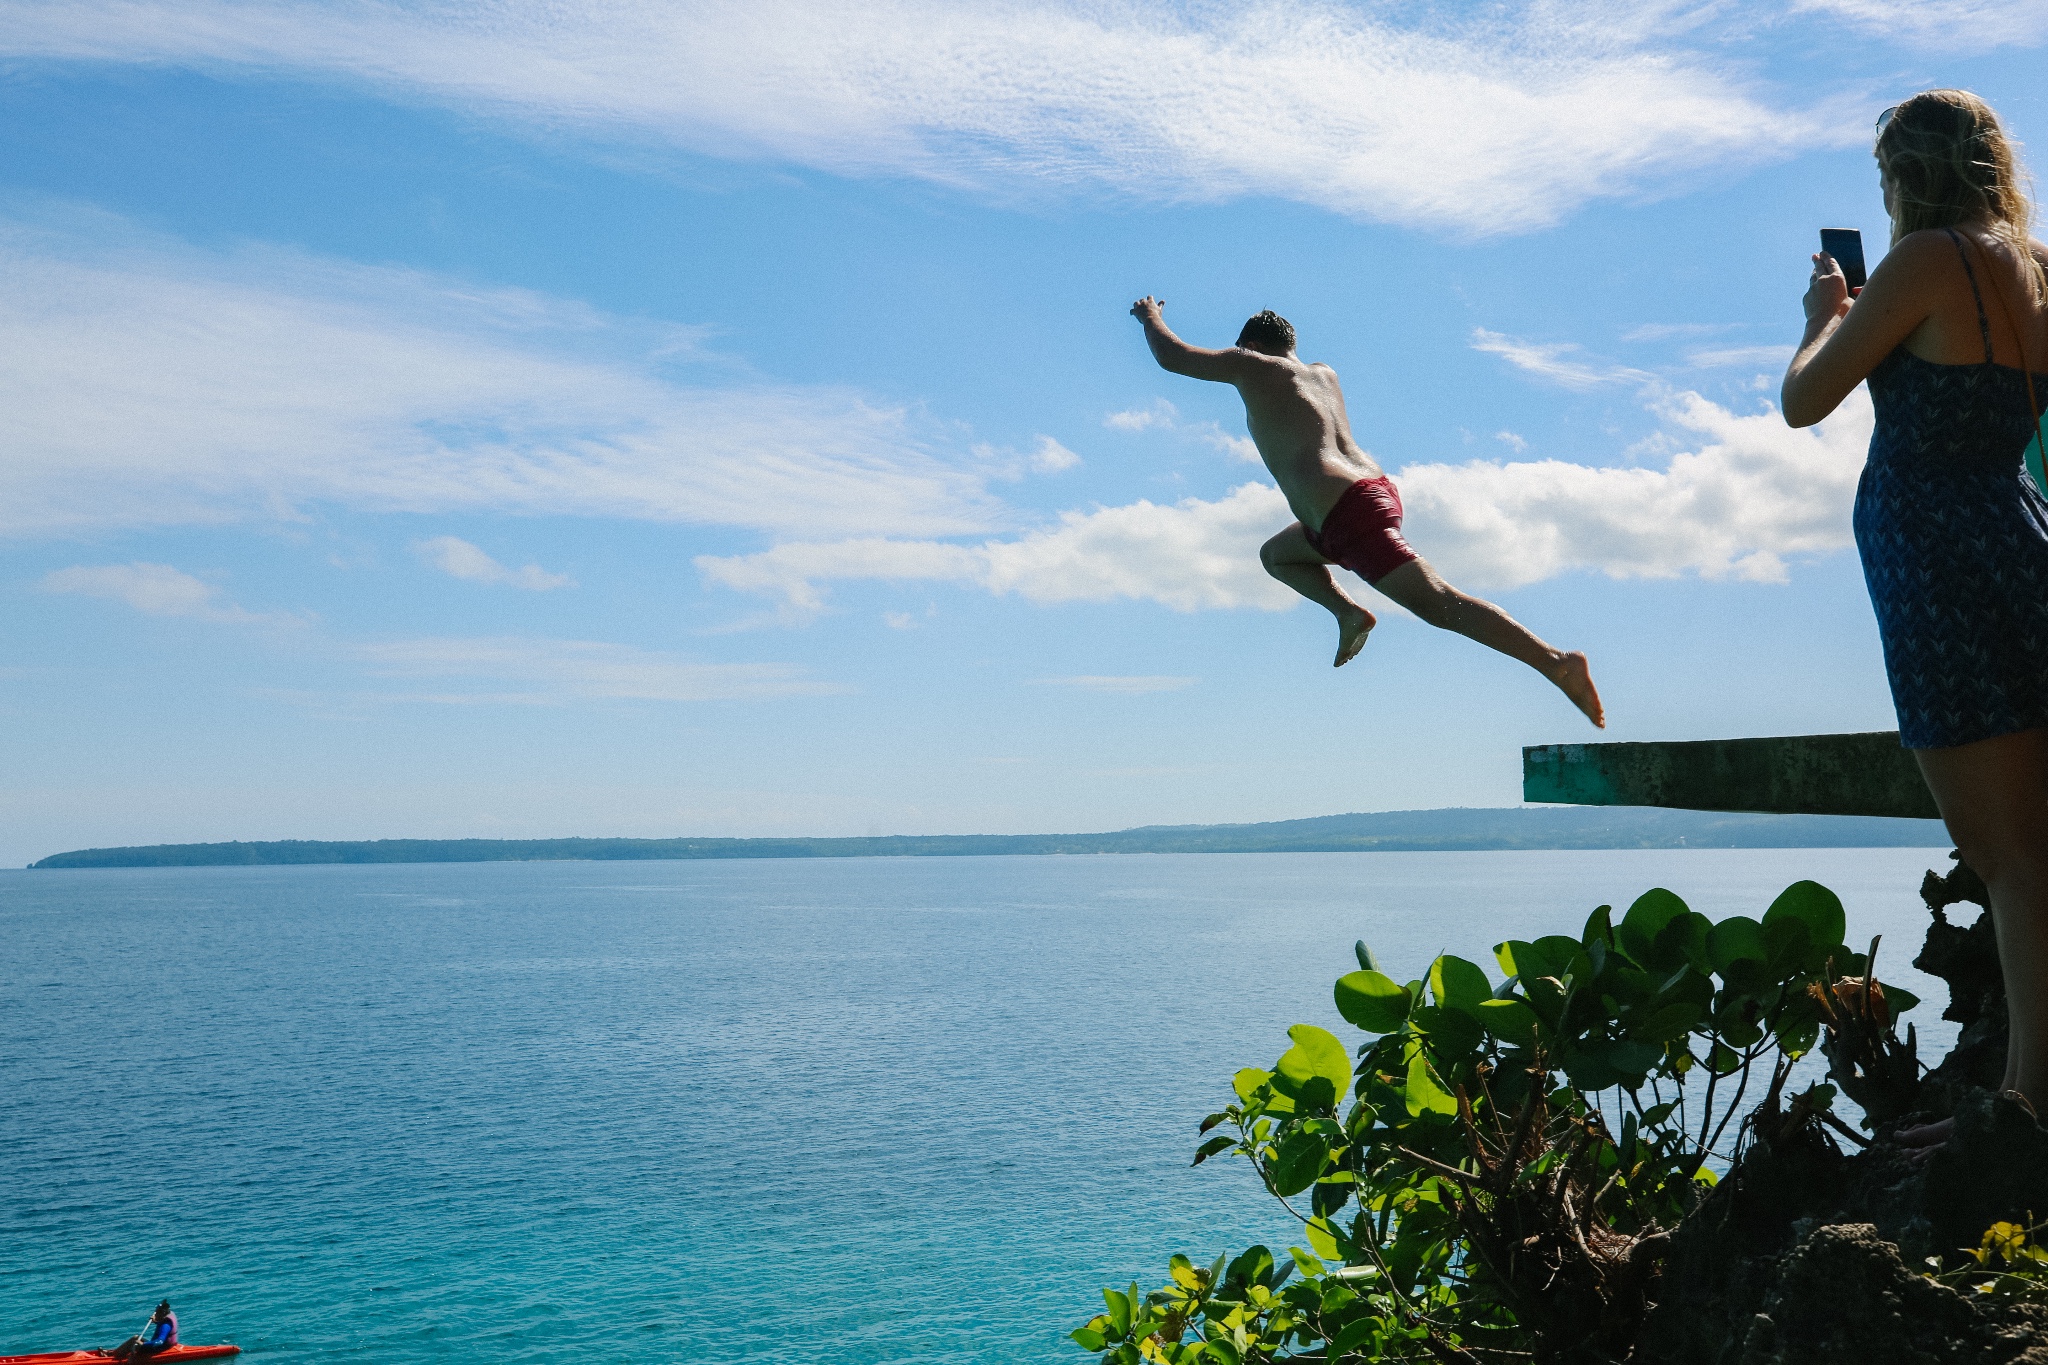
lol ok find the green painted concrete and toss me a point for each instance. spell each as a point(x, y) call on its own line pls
point(1866, 774)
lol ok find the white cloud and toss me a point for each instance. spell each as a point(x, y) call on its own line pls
point(146, 384)
point(1121, 686)
point(1188, 555)
point(1050, 457)
point(460, 559)
point(553, 671)
point(1748, 495)
point(1511, 441)
point(1240, 448)
point(1479, 121)
point(1160, 414)
point(154, 590)
point(1752, 493)
point(1965, 25)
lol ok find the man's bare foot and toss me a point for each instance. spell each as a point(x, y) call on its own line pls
point(1575, 679)
point(1351, 633)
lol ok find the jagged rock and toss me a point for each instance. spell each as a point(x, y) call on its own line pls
point(1844, 1294)
point(1804, 1254)
point(1966, 957)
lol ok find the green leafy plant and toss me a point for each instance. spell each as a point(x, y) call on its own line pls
point(2007, 1262)
point(1494, 1171)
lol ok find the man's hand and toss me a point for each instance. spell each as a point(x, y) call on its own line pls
point(1147, 309)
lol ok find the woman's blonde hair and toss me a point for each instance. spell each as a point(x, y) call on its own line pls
point(1950, 160)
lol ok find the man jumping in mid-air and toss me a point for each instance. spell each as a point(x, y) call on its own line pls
point(1350, 511)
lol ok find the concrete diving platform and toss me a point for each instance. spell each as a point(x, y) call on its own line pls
point(1860, 774)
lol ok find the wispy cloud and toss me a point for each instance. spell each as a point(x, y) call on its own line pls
point(1666, 331)
point(147, 384)
point(1163, 416)
point(1555, 361)
point(518, 669)
point(156, 590)
point(1479, 121)
point(1952, 25)
point(1766, 357)
point(459, 559)
point(1135, 686)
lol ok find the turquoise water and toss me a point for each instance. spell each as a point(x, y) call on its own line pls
point(838, 1110)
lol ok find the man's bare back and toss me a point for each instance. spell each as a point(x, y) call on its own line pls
point(1348, 511)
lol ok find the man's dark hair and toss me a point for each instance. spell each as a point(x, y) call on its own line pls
point(1268, 332)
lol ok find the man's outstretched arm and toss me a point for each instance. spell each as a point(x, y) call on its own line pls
point(1225, 367)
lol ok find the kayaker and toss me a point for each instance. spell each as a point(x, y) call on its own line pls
point(158, 1335)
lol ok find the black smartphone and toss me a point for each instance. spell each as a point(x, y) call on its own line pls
point(1846, 246)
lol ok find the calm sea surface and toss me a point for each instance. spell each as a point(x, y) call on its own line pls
point(821, 1111)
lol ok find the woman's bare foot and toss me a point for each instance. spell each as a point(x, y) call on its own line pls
point(1924, 1140)
point(1574, 677)
point(1351, 633)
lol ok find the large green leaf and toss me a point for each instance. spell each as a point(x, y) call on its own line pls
point(1526, 960)
point(1298, 1162)
point(1422, 1093)
point(1247, 1082)
point(1316, 1054)
point(1511, 1021)
point(1372, 1001)
point(1790, 944)
point(1323, 1237)
point(1119, 1309)
point(1546, 997)
point(1599, 928)
point(1453, 1034)
point(1626, 1062)
point(1646, 919)
point(1458, 983)
point(1566, 957)
point(1665, 1023)
point(1813, 905)
point(1736, 939)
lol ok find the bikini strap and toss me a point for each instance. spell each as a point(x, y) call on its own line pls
point(1983, 323)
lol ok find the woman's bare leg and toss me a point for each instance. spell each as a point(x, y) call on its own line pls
point(1423, 591)
point(1290, 558)
point(1993, 796)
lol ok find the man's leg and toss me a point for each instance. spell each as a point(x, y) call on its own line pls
point(1419, 588)
point(1291, 559)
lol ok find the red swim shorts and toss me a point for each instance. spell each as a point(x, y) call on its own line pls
point(1363, 531)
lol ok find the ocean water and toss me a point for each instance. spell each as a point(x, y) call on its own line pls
point(836, 1111)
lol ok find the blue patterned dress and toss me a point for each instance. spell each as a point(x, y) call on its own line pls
point(1954, 540)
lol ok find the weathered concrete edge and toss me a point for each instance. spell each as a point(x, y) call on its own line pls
point(1856, 774)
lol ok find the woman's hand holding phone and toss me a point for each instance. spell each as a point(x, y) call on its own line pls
point(1827, 292)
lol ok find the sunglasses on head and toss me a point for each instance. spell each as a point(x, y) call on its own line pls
point(1884, 119)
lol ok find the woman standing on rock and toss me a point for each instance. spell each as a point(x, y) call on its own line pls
point(1952, 333)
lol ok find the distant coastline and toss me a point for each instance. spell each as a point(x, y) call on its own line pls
point(1457, 829)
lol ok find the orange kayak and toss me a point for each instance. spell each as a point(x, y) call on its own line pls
point(175, 1353)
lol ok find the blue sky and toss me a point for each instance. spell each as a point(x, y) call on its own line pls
point(640, 419)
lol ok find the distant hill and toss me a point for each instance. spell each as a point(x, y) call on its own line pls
point(1405, 831)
